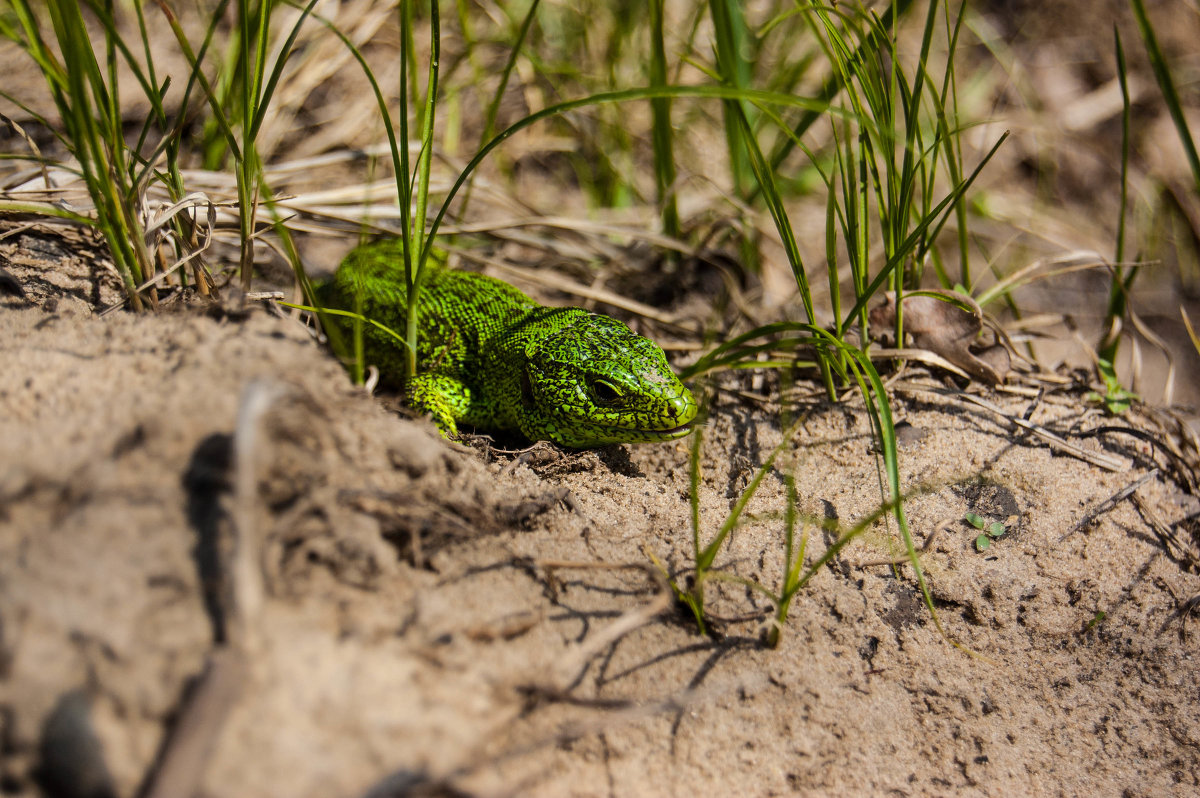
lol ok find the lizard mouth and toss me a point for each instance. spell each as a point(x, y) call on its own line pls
point(675, 432)
point(665, 434)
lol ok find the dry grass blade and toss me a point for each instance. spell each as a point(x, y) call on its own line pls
point(184, 756)
point(1064, 263)
point(318, 57)
point(182, 762)
point(925, 356)
point(569, 286)
point(579, 226)
point(1169, 432)
point(567, 668)
point(31, 144)
point(1108, 504)
point(1191, 331)
point(1183, 550)
point(1105, 461)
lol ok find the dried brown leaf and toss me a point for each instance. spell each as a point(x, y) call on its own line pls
point(950, 328)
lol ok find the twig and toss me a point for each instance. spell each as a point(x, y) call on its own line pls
point(924, 547)
point(1176, 547)
point(1111, 502)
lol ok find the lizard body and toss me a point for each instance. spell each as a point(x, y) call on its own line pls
point(491, 357)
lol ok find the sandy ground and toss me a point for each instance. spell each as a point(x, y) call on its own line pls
point(382, 612)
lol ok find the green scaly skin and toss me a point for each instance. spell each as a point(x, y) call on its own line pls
point(490, 357)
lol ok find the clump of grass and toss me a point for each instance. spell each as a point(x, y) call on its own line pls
point(1118, 312)
point(86, 93)
point(893, 135)
point(894, 146)
point(861, 372)
point(240, 105)
point(123, 174)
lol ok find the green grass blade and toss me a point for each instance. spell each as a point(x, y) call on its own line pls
point(400, 158)
point(707, 361)
point(263, 97)
point(489, 125)
point(1123, 78)
point(935, 219)
point(953, 145)
point(1118, 293)
point(217, 115)
point(346, 314)
point(912, 105)
point(793, 559)
point(732, 43)
point(424, 160)
point(709, 552)
point(1166, 84)
point(45, 209)
point(774, 202)
point(424, 164)
point(662, 135)
point(881, 413)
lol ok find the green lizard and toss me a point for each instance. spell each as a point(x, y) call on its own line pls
point(490, 357)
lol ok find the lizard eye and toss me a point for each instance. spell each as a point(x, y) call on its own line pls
point(605, 391)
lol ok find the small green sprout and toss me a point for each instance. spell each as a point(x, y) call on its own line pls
point(990, 531)
point(1116, 399)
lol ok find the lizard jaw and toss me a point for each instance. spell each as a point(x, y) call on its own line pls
point(669, 434)
point(600, 436)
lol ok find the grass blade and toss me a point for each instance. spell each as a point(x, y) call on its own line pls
point(661, 131)
point(1118, 293)
point(1166, 84)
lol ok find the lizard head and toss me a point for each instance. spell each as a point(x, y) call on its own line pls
point(596, 382)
